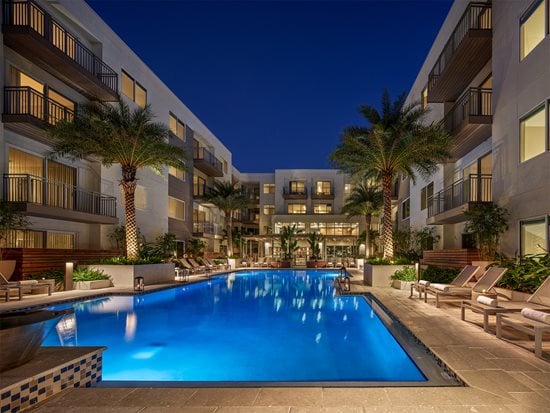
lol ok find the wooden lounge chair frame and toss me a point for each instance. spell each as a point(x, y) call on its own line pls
point(526, 325)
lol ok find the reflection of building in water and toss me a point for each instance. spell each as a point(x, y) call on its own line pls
point(66, 330)
point(131, 327)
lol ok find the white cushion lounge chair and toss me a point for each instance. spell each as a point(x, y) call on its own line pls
point(532, 322)
point(539, 300)
point(485, 284)
point(461, 280)
point(23, 287)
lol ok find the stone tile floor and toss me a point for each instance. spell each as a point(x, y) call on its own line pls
point(501, 377)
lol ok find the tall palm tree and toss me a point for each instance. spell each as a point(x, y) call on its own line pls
point(364, 200)
point(116, 134)
point(396, 142)
point(227, 198)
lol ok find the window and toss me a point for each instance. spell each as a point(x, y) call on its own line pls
point(133, 90)
point(347, 189)
point(24, 239)
point(426, 194)
point(176, 127)
point(296, 208)
point(323, 188)
point(60, 240)
point(269, 209)
point(322, 208)
point(178, 173)
point(224, 163)
point(199, 186)
point(269, 188)
point(176, 208)
point(534, 236)
point(406, 209)
point(532, 28)
point(424, 97)
point(297, 187)
point(140, 196)
point(533, 134)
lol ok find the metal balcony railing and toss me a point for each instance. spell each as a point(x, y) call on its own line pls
point(326, 193)
point(204, 227)
point(475, 188)
point(200, 153)
point(27, 13)
point(37, 190)
point(476, 102)
point(25, 101)
point(295, 192)
point(478, 16)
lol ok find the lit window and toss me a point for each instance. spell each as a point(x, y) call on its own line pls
point(133, 90)
point(406, 209)
point(532, 28)
point(140, 197)
point(534, 238)
point(269, 188)
point(424, 97)
point(224, 162)
point(322, 208)
point(296, 208)
point(347, 188)
point(426, 194)
point(323, 188)
point(533, 135)
point(297, 187)
point(176, 208)
point(176, 127)
point(178, 173)
point(60, 240)
point(269, 209)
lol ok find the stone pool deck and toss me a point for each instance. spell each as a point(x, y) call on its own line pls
point(501, 377)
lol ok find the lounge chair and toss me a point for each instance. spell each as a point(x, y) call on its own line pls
point(196, 266)
point(461, 280)
point(185, 264)
point(206, 264)
point(539, 300)
point(260, 262)
point(23, 287)
point(527, 322)
point(485, 284)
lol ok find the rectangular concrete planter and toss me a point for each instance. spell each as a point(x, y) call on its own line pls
point(401, 285)
point(379, 275)
point(92, 285)
point(124, 275)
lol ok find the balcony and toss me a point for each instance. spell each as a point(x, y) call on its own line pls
point(448, 205)
point(294, 193)
point(28, 110)
point(203, 228)
point(40, 197)
point(466, 52)
point(206, 162)
point(469, 121)
point(326, 194)
point(35, 34)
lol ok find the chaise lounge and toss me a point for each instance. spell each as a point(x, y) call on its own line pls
point(532, 322)
point(461, 280)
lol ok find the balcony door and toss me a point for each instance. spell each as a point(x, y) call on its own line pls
point(61, 185)
point(477, 179)
point(27, 97)
point(25, 180)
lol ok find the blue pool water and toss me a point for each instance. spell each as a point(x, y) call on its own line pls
point(253, 326)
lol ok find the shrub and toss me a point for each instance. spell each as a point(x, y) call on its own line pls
point(439, 275)
point(406, 274)
point(120, 260)
point(527, 274)
point(388, 261)
point(87, 274)
point(57, 275)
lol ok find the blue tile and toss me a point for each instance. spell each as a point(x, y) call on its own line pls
point(24, 399)
point(25, 386)
point(5, 408)
point(56, 378)
point(41, 379)
point(77, 369)
point(5, 395)
point(42, 391)
point(64, 369)
point(34, 388)
point(82, 361)
point(15, 397)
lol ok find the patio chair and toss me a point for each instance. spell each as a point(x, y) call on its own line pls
point(186, 265)
point(24, 286)
point(532, 322)
point(260, 262)
point(196, 266)
point(484, 285)
point(461, 280)
point(539, 300)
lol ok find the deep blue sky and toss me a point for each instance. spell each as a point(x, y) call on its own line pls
point(277, 81)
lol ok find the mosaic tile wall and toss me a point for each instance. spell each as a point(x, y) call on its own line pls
point(81, 372)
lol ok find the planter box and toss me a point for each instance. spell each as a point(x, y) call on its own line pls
point(360, 263)
point(92, 285)
point(124, 275)
point(280, 264)
point(234, 262)
point(379, 275)
point(401, 285)
point(316, 264)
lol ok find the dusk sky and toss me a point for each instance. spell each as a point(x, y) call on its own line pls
point(277, 82)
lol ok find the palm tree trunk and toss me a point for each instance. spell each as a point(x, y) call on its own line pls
point(129, 184)
point(388, 224)
point(229, 230)
point(368, 219)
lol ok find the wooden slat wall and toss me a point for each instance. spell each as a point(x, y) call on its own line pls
point(37, 260)
point(455, 258)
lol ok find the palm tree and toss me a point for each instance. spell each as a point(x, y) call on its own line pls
point(365, 201)
point(227, 198)
point(397, 142)
point(116, 134)
point(288, 243)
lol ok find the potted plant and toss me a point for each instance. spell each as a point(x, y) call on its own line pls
point(10, 220)
point(90, 279)
point(314, 239)
point(402, 279)
point(288, 245)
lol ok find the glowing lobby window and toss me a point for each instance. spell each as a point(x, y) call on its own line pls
point(176, 208)
point(335, 228)
point(322, 208)
point(269, 209)
point(176, 127)
point(534, 237)
point(296, 208)
point(24, 239)
point(269, 188)
point(533, 135)
point(532, 28)
point(60, 240)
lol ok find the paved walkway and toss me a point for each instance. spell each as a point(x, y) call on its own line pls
point(501, 377)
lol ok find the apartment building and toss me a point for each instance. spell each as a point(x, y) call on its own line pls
point(487, 76)
point(311, 199)
point(55, 56)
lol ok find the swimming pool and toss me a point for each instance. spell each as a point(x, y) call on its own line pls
point(253, 326)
